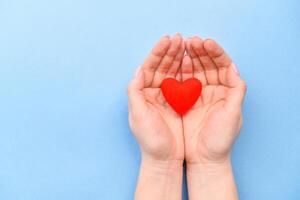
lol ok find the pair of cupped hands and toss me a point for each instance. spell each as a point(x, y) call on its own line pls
point(206, 133)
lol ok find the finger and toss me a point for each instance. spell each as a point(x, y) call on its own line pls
point(136, 100)
point(174, 69)
point(198, 68)
point(154, 58)
point(210, 69)
point(178, 75)
point(167, 61)
point(186, 68)
point(237, 89)
point(219, 57)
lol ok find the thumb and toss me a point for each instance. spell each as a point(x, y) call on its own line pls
point(136, 100)
point(237, 89)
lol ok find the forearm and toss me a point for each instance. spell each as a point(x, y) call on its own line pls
point(159, 180)
point(211, 181)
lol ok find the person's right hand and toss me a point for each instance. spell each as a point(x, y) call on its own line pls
point(154, 123)
point(211, 126)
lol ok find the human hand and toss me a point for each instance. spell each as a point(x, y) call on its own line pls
point(212, 125)
point(156, 126)
point(203, 137)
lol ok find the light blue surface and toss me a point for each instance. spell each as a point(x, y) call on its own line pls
point(64, 68)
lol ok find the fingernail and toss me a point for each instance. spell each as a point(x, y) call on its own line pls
point(235, 69)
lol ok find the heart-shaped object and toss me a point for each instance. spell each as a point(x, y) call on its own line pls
point(181, 96)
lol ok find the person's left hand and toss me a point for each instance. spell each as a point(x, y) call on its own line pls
point(154, 123)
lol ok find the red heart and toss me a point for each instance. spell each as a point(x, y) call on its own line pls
point(181, 96)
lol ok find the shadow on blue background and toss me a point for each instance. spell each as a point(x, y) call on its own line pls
point(64, 68)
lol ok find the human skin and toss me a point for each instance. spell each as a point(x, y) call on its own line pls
point(211, 126)
point(203, 137)
point(156, 126)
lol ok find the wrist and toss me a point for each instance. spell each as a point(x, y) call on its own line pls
point(161, 167)
point(211, 180)
point(205, 166)
point(159, 180)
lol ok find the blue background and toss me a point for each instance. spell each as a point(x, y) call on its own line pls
point(64, 69)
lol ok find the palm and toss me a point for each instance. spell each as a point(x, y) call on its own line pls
point(211, 126)
point(165, 126)
point(162, 135)
point(206, 136)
